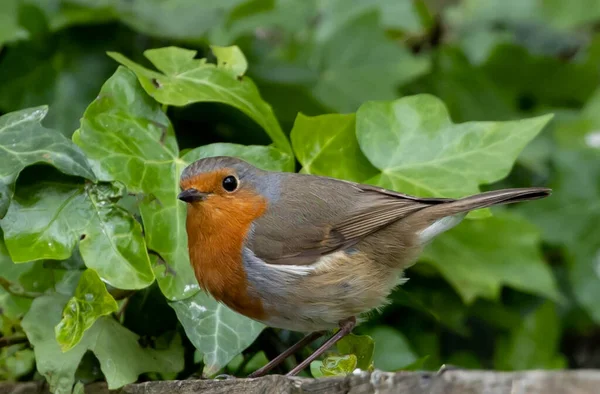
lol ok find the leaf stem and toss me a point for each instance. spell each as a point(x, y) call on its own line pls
point(121, 310)
point(119, 294)
point(14, 340)
point(17, 290)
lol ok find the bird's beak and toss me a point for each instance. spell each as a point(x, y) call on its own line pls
point(191, 195)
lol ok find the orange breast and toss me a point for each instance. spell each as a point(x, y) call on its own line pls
point(217, 228)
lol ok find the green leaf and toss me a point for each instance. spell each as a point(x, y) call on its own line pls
point(91, 301)
point(575, 204)
point(231, 58)
point(175, 19)
point(263, 157)
point(186, 80)
point(10, 271)
point(392, 351)
point(24, 141)
point(246, 19)
point(553, 12)
point(62, 70)
point(465, 359)
point(361, 346)
point(129, 139)
point(355, 64)
point(16, 363)
point(334, 366)
point(579, 130)
point(419, 151)
point(49, 217)
point(417, 365)
point(61, 14)
point(121, 357)
point(326, 145)
point(5, 196)
point(10, 29)
point(478, 257)
point(394, 15)
point(435, 300)
point(547, 27)
point(12, 307)
point(533, 344)
point(257, 361)
point(467, 91)
point(574, 81)
point(216, 331)
point(315, 369)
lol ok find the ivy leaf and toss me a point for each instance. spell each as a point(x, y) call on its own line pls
point(394, 15)
point(175, 19)
point(362, 346)
point(467, 256)
point(62, 70)
point(263, 157)
point(575, 204)
point(24, 141)
point(467, 91)
point(121, 357)
point(47, 218)
point(354, 64)
point(358, 63)
point(91, 301)
point(555, 13)
point(216, 331)
point(10, 30)
point(326, 145)
point(257, 361)
point(436, 301)
point(533, 344)
point(5, 196)
point(16, 363)
point(417, 365)
point(231, 58)
point(333, 366)
point(13, 307)
point(186, 80)
point(392, 350)
point(419, 151)
point(575, 81)
point(129, 139)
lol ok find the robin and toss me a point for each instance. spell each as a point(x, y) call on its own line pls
point(309, 253)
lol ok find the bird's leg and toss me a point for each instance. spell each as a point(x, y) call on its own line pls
point(346, 327)
point(447, 367)
point(288, 352)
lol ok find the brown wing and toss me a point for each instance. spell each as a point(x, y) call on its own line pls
point(317, 216)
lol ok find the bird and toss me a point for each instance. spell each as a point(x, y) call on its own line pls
point(309, 253)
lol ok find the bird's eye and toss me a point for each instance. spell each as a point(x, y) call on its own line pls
point(230, 183)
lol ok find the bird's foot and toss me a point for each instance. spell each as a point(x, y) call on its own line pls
point(447, 367)
point(224, 376)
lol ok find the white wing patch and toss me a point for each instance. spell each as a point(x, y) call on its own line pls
point(439, 226)
point(292, 269)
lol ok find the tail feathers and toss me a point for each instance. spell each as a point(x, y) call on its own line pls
point(439, 218)
point(488, 199)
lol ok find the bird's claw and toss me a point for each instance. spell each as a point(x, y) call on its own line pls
point(447, 367)
point(224, 376)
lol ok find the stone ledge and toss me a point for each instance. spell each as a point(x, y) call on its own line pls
point(451, 382)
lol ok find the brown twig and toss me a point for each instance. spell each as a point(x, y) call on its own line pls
point(9, 341)
point(121, 310)
point(119, 294)
point(17, 290)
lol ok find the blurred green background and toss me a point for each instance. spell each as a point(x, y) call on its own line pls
point(474, 299)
